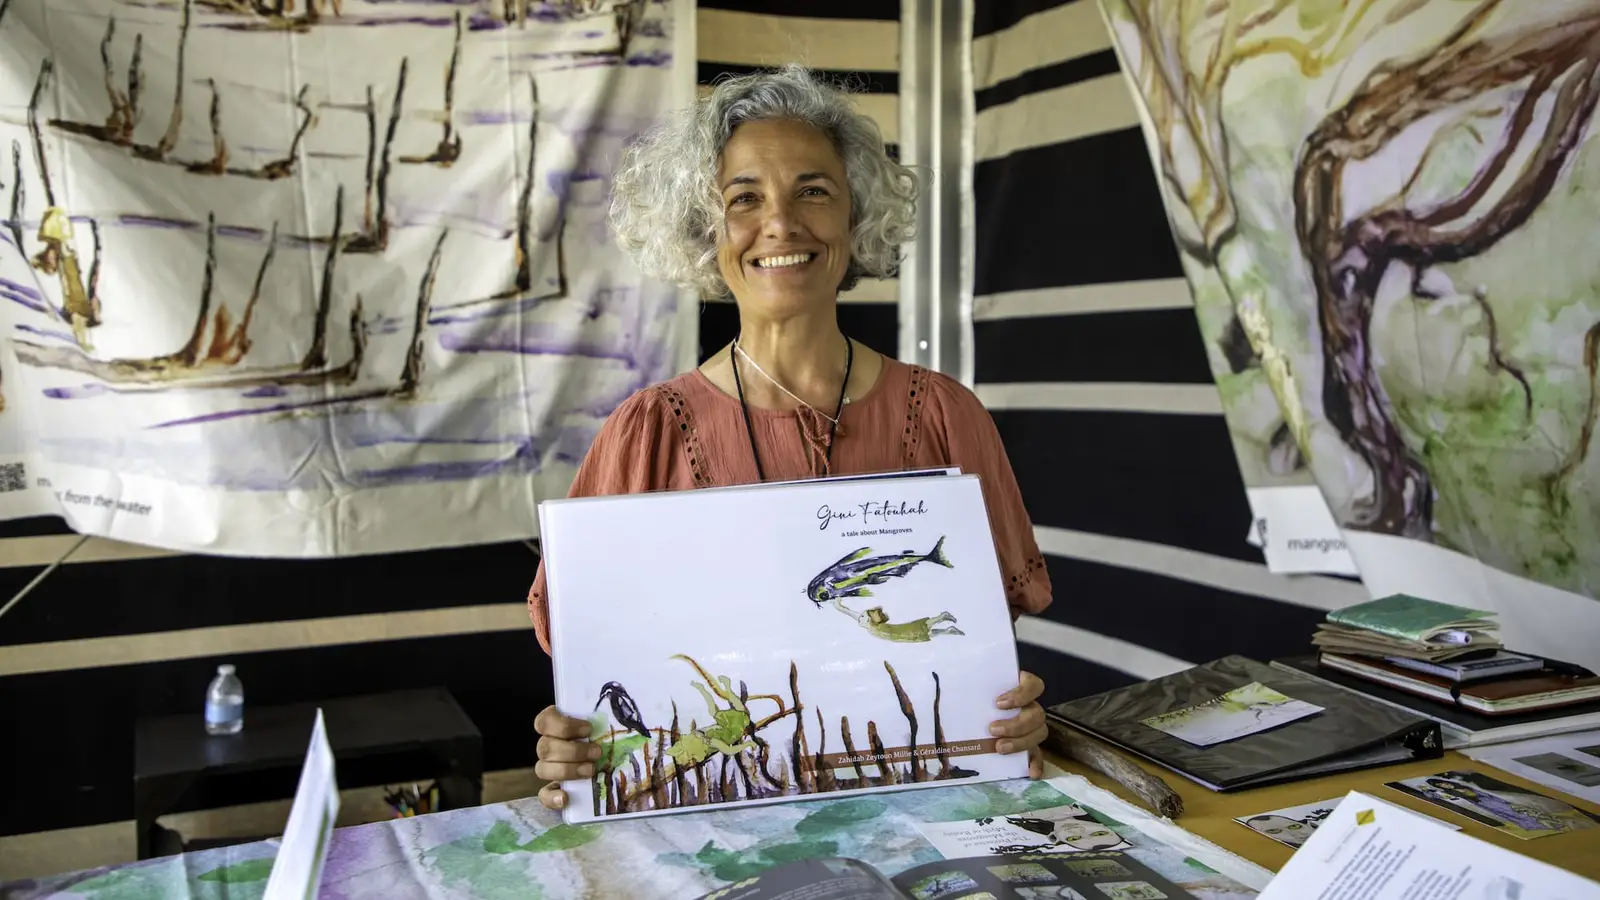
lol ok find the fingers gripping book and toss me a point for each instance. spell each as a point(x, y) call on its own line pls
point(760, 644)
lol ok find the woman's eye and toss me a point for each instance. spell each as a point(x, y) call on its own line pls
point(743, 198)
point(815, 192)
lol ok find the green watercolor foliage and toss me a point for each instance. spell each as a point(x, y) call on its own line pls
point(734, 865)
point(839, 815)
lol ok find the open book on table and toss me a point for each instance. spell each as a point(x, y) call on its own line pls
point(1026, 876)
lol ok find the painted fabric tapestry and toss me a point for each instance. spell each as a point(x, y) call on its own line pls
point(321, 277)
point(1392, 203)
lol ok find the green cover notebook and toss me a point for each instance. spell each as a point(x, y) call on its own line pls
point(1409, 618)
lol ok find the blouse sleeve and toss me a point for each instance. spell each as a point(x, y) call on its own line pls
point(635, 451)
point(973, 444)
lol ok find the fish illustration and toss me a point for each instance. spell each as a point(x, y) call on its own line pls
point(849, 576)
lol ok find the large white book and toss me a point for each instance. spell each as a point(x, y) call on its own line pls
point(757, 645)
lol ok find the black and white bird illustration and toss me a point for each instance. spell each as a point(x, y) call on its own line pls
point(623, 709)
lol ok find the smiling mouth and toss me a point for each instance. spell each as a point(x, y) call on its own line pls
point(787, 261)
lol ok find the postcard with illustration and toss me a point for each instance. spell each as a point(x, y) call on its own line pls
point(763, 644)
point(1059, 829)
point(1242, 711)
point(1294, 825)
point(1517, 811)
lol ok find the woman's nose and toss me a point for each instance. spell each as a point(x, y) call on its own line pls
point(780, 222)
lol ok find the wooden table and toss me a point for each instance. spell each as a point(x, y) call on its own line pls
point(1210, 814)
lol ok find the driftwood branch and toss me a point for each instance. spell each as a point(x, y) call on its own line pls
point(1101, 757)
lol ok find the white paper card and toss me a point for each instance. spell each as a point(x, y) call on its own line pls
point(1372, 850)
point(1296, 531)
point(1570, 763)
point(1240, 712)
point(1058, 829)
point(690, 626)
point(297, 871)
point(1294, 825)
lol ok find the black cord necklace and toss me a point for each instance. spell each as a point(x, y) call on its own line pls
point(744, 406)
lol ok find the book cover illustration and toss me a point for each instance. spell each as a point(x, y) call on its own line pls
point(1239, 712)
point(779, 641)
point(850, 577)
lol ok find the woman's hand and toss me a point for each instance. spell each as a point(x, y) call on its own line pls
point(564, 754)
point(1027, 729)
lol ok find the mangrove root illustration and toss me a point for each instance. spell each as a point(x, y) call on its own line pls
point(1555, 483)
point(277, 15)
point(404, 388)
point(521, 287)
point(118, 127)
point(449, 149)
point(59, 255)
point(215, 345)
point(1350, 255)
point(626, 15)
point(729, 758)
point(1185, 54)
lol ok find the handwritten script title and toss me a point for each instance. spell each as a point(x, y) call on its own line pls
point(872, 511)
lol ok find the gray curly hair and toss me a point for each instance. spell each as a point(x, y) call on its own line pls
point(667, 212)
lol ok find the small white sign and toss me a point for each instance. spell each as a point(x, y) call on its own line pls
point(297, 871)
point(1296, 532)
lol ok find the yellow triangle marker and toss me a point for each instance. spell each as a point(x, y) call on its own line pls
point(1365, 817)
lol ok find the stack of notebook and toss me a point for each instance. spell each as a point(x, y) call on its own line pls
point(1401, 626)
point(1447, 662)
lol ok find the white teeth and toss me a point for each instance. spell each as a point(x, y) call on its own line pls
point(778, 262)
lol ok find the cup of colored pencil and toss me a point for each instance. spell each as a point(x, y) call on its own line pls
point(410, 800)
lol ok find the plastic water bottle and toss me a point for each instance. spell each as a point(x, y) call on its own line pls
point(225, 703)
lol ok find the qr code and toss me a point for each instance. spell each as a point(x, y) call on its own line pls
point(13, 477)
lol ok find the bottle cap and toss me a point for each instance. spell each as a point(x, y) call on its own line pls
point(225, 669)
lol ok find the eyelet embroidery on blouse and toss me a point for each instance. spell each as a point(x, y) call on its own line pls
point(689, 434)
point(913, 433)
point(1020, 581)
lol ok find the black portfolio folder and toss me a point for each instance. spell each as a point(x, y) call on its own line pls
point(1351, 732)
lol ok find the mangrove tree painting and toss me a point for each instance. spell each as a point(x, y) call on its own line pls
point(288, 262)
point(733, 744)
point(1384, 209)
point(857, 572)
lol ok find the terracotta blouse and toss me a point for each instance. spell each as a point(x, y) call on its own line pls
point(686, 433)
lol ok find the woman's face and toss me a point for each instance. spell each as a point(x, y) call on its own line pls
point(787, 204)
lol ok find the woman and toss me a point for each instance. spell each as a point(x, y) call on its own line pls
point(775, 189)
